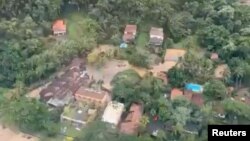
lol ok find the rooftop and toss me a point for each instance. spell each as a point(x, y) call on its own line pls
point(214, 56)
point(174, 54)
point(131, 122)
point(157, 32)
point(90, 93)
point(195, 98)
point(130, 29)
point(113, 112)
point(79, 112)
point(176, 93)
point(59, 25)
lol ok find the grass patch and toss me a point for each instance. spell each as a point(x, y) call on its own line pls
point(80, 26)
point(189, 42)
point(142, 39)
point(73, 24)
point(3, 90)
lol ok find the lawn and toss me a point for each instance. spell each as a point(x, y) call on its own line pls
point(143, 34)
point(79, 26)
point(142, 39)
point(3, 90)
point(190, 41)
point(74, 25)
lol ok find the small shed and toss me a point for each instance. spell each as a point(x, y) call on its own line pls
point(59, 28)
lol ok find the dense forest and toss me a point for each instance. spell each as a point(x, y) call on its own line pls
point(29, 54)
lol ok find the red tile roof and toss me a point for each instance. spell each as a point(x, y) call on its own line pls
point(130, 29)
point(214, 56)
point(195, 98)
point(132, 121)
point(59, 25)
point(129, 32)
point(176, 93)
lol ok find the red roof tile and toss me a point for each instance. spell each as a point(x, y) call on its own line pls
point(176, 93)
point(59, 25)
point(197, 99)
point(130, 29)
point(214, 56)
point(132, 121)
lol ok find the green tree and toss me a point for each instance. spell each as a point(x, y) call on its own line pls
point(177, 77)
point(215, 89)
point(214, 37)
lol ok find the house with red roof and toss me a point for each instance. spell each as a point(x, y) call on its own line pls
point(175, 93)
point(195, 98)
point(59, 28)
point(132, 121)
point(214, 56)
point(129, 33)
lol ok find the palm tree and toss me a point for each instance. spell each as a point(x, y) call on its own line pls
point(239, 73)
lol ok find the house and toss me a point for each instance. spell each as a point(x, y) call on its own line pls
point(57, 94)
point(175, 93)
point(245, 2)
point(113, 112)
point(214, 56)
point(220, 71)
point(99, 98)
point(171, 59)
point(129, 33)
point(60, 92)
point(132, 121)
point(194, 87)
point(59, 28)
point(193, 97)
point(156, 36)
point(78, 63)
point(78, 115)
point(197, 99)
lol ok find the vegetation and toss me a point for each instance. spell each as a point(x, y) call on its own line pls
point(215, 90)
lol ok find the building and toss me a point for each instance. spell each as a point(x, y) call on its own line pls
point(59, 28)
point(220, 71)
point(175, 93)
point(113, 112)
point(99, 98)
point(129, 33)
point(214, 56)
point(156, 36)
point(78, 115)
point(171, 59)
point(245, 2)
point(132, 121)
point(196, 88)
point(193, 97)
point(60, 92)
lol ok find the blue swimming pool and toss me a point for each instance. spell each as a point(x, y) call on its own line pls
point(194, 87)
